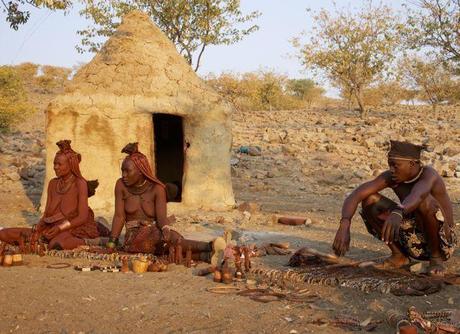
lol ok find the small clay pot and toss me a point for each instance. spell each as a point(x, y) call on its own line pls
point(124, 265)
point(7, 260)
point(17, 259)
point(140, 265)
point(217, 276)
point(163, 267)
point(293, 221)
point(409, 329)
point(227, 276)
point(154, 267)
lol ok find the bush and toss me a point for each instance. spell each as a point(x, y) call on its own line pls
point(14, 106)
point(265, 90)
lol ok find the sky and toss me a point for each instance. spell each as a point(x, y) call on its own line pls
point(50, 38)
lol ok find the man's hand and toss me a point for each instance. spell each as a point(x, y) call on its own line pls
point(390, 230)
point(341, 243)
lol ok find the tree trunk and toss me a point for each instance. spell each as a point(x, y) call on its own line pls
point(359, 99)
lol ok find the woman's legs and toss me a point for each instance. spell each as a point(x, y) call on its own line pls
point(65, 240)
point(13, 235)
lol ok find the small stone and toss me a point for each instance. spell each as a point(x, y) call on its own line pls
point(249, 207)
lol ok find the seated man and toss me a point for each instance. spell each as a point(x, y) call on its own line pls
point(67, 220)
point(421, 226)
point(140, 206)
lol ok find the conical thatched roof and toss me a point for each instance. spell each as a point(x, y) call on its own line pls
point(137, 60)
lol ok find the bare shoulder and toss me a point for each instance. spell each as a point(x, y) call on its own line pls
point(430, 173)
point(383, 179)
point(119, 185)
point(158, 189)
point(81, 182)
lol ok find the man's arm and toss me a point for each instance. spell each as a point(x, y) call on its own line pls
point(341, 242)
point(362, 192)
point(420, 191)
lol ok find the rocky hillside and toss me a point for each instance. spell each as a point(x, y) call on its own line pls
point(302, 161)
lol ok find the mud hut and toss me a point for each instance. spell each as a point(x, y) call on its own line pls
point(138, 88)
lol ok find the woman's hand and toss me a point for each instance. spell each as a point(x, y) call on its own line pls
point(52, 232)
point(165, 232)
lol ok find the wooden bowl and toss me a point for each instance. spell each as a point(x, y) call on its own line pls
point(140, 265)
point(17, 259)
point(7, 260)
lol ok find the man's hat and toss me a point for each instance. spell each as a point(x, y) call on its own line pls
point(404, 150)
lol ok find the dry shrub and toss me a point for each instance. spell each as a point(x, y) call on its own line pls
point(265, 90)
point(14, 105)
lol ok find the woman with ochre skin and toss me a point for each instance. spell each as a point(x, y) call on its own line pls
point(67, 220)
point(140, 206)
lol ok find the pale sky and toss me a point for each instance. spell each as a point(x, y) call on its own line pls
point(50, 38)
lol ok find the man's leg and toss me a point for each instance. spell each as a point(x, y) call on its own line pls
point(426, 218)
point(375, 210)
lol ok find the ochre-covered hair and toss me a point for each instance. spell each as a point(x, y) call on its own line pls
point(141, 162)
point(73, 157)
point(74, 160)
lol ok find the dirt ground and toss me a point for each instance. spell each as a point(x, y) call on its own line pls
point(291, 176)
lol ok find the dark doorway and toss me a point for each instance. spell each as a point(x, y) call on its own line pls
point(169, 153)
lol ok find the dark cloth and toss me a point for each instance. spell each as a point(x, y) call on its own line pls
point(411, 239)
point(404, 150)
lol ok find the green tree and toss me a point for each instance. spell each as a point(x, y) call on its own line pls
point(14, 105)
point(17, 11)
point(305, 90)
point(192, 25)
point(435, 24)
point(352, 49)
point(431, 79)
point(229, 86)
point(53, 78)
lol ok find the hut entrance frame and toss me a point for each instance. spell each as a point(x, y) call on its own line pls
point(168, 131)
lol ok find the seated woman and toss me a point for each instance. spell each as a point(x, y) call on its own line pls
point(67, 220)
point(140, 206)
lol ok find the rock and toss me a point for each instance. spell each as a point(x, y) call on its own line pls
point(361, 174)
point(249, 207)
point(234, 161)
point(14, 176)
point(254, 151)
point(450, 151)
point(247, 215)
point(289, 149)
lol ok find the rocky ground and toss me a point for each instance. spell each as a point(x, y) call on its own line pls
point(305, 164)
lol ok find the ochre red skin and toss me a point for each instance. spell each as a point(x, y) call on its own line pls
point(73, 203)
point(138, 198)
